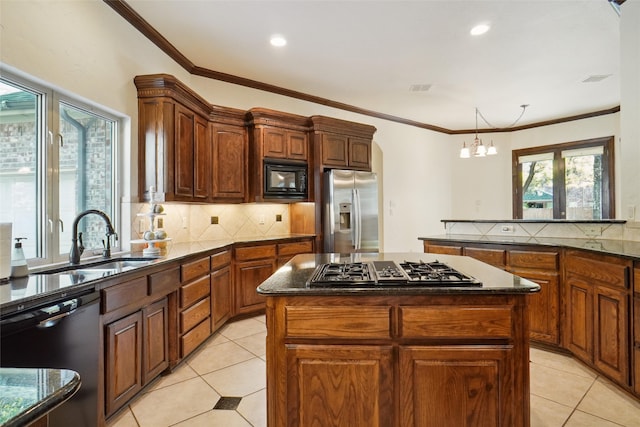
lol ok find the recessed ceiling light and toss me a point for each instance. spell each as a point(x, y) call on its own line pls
point(479, 29)
point(278, 41)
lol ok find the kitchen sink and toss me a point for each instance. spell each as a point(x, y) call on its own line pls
point(107, 266)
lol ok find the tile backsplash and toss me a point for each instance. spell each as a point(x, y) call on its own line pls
point(188, 223)
point(567, 230)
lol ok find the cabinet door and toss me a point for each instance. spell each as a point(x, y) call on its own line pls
point(248, 276)
point(184, 145)
point(123, 361)
point(155, 349)
point(221, 297)
point(339, 386)
point(202, 159)
point(579, 314)
point(611, 330)
point(274, 143)
point(335, 150)
point(359, 153)
point(297, 146)
point(544, 306)
point(457, 386)
point(229, 163)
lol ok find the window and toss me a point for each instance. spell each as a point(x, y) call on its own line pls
point(572, 181)
point(57, 160)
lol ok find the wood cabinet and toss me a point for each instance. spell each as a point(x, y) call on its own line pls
point(288, 250)
point(195, 304)
point(397, 361)
point(598, 302)
point(253, 265)
point(636, 329)
point(344, 152)
point(230, 151)
point(277, 137)
point(540, 265)
point(136, 333)
point(173, 140)
point(221, 289)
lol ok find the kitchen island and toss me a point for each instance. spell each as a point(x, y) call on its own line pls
point(416, 355)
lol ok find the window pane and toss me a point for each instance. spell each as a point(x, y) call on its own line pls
point(537, 189)
point(85, 171)
point(19, 134)
point(583, 178)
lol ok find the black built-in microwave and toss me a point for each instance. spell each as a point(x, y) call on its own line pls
point(285, 179)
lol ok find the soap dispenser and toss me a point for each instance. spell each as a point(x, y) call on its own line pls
point(19, 266)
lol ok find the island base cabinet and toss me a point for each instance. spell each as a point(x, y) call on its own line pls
point(340, 386)
point(456, 386)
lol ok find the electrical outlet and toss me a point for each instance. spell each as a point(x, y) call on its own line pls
point(261, 220)
point(184, 222)
point(592, 230)
point(278, 218)
point(160, 223)
point(214, 220)
point(507, 229)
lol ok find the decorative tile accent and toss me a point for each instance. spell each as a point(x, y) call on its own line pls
point(228, 403)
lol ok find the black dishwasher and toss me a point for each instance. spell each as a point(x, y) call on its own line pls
point(64, 334)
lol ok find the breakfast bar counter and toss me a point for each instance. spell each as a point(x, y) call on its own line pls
point(397, 355)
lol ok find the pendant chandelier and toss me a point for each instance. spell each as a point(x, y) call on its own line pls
point(477, 148)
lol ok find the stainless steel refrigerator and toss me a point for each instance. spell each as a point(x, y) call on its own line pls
point(350, 211)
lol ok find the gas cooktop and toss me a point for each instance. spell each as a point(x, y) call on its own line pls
point(389, 273)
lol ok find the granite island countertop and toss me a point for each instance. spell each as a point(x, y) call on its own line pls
point(291, 279)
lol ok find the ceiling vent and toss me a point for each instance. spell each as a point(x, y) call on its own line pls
point(596, 78)
point(419, 88)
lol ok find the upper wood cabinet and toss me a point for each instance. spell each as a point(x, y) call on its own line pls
point(276, 136)
point(342, 144)
point(173, 140)
point(229, 155)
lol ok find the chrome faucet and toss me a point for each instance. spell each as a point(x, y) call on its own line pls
point(77, 248)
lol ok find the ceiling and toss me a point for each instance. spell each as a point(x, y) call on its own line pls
point(373, 54)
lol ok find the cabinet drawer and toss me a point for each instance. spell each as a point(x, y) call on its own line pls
point(220, 259)
point(295, 248)
point(124, 294)
point(194, 315)
point(603, 272)
point(194, 291)
point(338, 322)
point(495, 257)
point(455, 322)
point(442, 249)
point(194, 269)
point(195, 337)
point(164, 282)
point(255, 252)
point(532, 259)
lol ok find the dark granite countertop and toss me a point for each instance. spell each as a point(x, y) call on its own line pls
point(292, 277)
point(38, 289)
point(625, 248)
point(27, 394)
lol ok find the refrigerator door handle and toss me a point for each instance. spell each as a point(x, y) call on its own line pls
point(357, 241)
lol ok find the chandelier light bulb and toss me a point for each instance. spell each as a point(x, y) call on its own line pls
point(492, 149)
point(464, 151)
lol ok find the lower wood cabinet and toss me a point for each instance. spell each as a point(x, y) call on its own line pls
point(220, 297)
point(136, 352)
point(598, 306)
point(400, 361)
point(434, 380)
point(352, 384)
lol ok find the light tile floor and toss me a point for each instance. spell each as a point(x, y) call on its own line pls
point(232, 364)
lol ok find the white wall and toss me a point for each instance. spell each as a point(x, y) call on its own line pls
point(85, 48)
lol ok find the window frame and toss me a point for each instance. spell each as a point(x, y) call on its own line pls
point(48, 226)
point(559, 191)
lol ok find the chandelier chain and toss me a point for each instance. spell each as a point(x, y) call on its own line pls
point(523, 106)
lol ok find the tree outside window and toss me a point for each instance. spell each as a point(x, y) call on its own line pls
point(571, 181)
